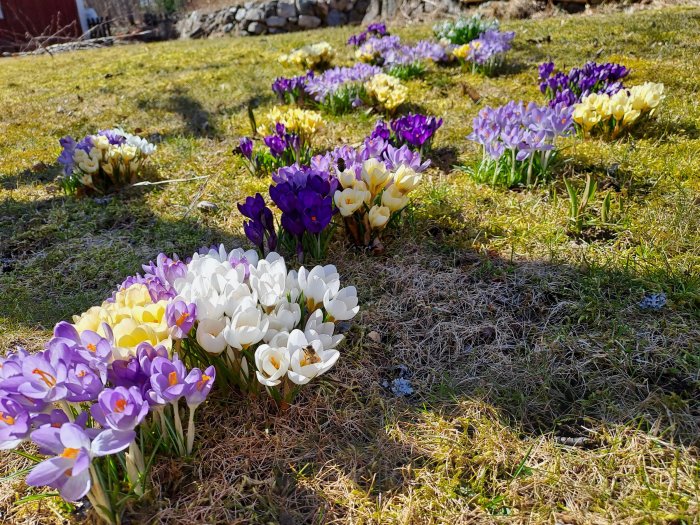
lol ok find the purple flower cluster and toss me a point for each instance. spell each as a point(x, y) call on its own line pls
point(390, 51)
point(377, 29)
point(373, 147)
point(332, 81)
point(487, 50)
point(292, 90)
point(77, 369)
point(569, 88)
point(159, 277)
point(305, 197)
point(521, 134)
point(520, 128)
point(260, 226)
point(283, 149)
point(415, 130)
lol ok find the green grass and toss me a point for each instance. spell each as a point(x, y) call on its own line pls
point(518, 335)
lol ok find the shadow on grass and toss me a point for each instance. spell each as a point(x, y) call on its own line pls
point(60, 255)
point(198, 122)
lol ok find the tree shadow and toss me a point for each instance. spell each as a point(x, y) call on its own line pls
point(444, 158)
point(198, 122)
point(62, 254)
point(40, 173)
point(662, 129)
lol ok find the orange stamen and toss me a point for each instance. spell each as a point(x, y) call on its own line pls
point(45, 377)
point(120, 405)
point(172, 378)
point(91, 347)
point(70, 453)
point(183, 317)
point(202, 382)
point(7, 419)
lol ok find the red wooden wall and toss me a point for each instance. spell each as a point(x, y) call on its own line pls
point(37, 17)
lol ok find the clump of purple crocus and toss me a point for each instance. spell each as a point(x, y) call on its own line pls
point(292, 90)
point(416, 130)
point(260, 226)
point(339, 88)
point(519, 141)
point(376, 29)
point(305, 197)
point(282, 149)
point(47, 396)
point(569, 88)
point(487, 52)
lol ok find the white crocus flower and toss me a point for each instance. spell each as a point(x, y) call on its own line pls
point(308, 359)
point(272, 360)
point(236, 293)
point(315, 283)
point(269, 280)
point(210, 335)
point(343, 306)
point(203, 292)
point(317, 329)
point(284, 318)
point(292, 286)
point(247, 326)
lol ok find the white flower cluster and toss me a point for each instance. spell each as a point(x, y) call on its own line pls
point(251, 307)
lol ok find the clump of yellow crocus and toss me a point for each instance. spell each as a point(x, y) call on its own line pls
point(610, 115)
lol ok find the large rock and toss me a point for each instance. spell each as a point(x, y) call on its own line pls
point(286, 8)
point(336, 18)
point(340, 5)
point(306, 7)
point(240, 14)
point(309, 22)
point(276, 21)
point(255, 15)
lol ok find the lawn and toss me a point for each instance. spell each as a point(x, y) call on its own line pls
point(543, 392)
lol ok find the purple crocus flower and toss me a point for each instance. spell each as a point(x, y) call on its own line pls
point(245, 147)
point(200, 384)
point(415, 130)
point(180, 317)
point(14, 423)
point(69, 470)
point(66, 157)
point(127, 373)
point(82, 382)
point(146, 354)
point(167, 380)
point(261, 224)
point(120, 408)
point(44, 376)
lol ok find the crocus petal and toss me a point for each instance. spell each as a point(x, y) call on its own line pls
point(48, 471)
point(112, 441)
point(76, 487)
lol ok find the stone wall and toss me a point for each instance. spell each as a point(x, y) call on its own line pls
point(280, 16)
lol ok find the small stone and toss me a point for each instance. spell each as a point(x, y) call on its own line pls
point(240, 15)
point(228, 28)
point(256, 28)
point(276, 21)
point(374, 336)
point(207, 207)
point(309, 22)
